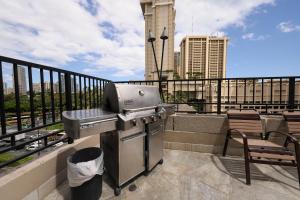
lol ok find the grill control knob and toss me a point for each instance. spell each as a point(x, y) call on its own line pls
point(144, 120)
point(153, 118)
point(133, 122)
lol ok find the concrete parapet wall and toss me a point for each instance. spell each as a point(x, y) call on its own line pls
point(37, 179)
point(200, 123)
point(206, 133)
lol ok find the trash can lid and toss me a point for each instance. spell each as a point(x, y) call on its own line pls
point(85, 155)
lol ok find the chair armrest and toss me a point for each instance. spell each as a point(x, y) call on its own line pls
point(238, 131)
point(292, 138)
point(245, 140)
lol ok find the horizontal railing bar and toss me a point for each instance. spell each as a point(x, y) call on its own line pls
point(30, 153)
point(30, 141)
point(28, 130)
point(46, 67)
point(211, 79)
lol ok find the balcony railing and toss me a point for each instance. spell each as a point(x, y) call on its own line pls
point(41, 95)
point(268, 95)
point(44, 92)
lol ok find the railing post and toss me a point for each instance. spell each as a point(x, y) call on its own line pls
point(2, 110)
point(68, 91)
point(219, 96)
point(291, 100)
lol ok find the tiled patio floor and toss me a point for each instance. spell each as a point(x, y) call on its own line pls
point(191, 175)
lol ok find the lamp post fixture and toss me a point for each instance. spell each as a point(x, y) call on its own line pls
point(151, 39)
point(163, 37)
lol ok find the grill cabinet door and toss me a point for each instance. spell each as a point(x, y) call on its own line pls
point(155, 142)
point(132, 157)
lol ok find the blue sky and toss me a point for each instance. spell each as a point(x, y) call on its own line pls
point(107, 40)
point(277, 54)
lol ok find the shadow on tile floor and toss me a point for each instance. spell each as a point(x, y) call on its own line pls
point(235, 167)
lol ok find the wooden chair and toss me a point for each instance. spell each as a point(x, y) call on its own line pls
point(293, 123)
point(245, 127)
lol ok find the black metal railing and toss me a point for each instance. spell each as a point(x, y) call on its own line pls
point(33, 96)
point(269, 95)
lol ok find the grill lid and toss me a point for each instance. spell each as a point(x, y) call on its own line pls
point(120, 98)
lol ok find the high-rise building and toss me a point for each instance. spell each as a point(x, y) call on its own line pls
point(21, 80)
point(6, 89)
point(176, 64)
point(47, 86)
point(159, 14)
point(63, 83)
point(203, 57)
point(36, 87)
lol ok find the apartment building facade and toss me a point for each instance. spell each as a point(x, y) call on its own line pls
point(203, 57)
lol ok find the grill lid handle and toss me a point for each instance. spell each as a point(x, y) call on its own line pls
point(139, 109)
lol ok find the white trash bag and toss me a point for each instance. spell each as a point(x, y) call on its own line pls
point(81, 172)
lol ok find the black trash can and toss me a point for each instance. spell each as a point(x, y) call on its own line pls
point(92, 188)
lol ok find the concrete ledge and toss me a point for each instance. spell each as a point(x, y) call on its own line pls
point(206, 133)
point(195, 137)
point(202, 148)
point(38, 178)
point(200, 123)
point(209, 123)
point(199, 142)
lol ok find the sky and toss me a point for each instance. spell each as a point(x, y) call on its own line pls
point(105, 38)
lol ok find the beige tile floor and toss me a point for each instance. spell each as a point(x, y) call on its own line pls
point(191, 175)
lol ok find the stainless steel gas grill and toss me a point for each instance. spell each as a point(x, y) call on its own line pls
point(131, 123)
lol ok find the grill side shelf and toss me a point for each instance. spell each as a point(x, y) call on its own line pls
point(83, 123)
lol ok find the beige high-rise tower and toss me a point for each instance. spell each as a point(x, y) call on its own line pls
point(21, 80)
point(203, 57)
point(159, 14)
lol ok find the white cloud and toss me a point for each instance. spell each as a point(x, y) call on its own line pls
point(213, 16)
point(61, 31)
point(288, 26)
point(253, 37)
point(105, 34)
point(248, 36)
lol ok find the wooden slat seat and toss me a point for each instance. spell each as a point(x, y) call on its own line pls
point(257, 142)
point(272, 156)
point(293, 121)
point(293, 127)
point(292, 115)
